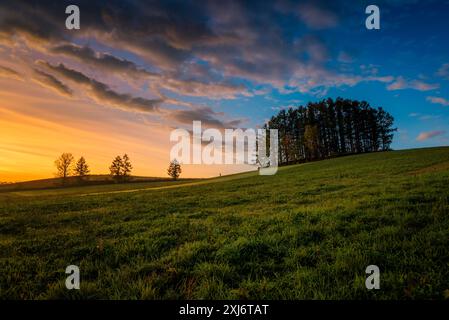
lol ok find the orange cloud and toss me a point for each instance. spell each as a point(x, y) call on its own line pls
point(38, 126)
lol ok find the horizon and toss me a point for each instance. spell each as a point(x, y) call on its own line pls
point(100, 90)
point(217, 176)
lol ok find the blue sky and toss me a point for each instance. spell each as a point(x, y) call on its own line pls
point(412, 46)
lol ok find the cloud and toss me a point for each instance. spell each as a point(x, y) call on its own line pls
point(438, 100)
point(9, 73)
point(228, 41)
point(161, 32)
point(370, 69)
point(316, 17)
point(102, 93)
point(401, 83)
point(444, 71)
point(194, 49)
point(169, 81)
point(104, 61)
point(430, 134)
point(48, 81)
point(38, 24)
point(200, 89)
point(314, 14)
point(424, 117)
point(207, 116)
point(344, 57)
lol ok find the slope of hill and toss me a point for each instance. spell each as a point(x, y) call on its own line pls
point(308, 232)
point(96, 182)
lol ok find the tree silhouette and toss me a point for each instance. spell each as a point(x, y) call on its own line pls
point(121, 167)
point(63, 165)
point(116, 167)
point(126, 167)
point(174, 169)
point(329, 128)
point(81, 167)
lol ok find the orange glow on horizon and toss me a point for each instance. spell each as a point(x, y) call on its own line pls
point(37, 127)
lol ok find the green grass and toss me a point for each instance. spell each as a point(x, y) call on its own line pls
point(91, 183)
point(95, 189)
point(308, 232)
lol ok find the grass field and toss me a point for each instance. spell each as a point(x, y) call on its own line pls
point(89, 184)
point(97, 189)
point(308, 232)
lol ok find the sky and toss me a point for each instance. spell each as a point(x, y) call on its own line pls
point(136, 70)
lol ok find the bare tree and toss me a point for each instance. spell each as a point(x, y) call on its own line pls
point(64, 165)
point(174, 169)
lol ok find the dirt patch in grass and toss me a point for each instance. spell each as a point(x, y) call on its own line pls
point(443, 166)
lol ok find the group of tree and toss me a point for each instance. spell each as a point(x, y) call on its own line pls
point(120, 167)
point(330, 128)
point(319, 130)
point(66, 166)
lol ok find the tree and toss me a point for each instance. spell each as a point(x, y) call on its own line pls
point(81, 167)
point(126, 167)
point(330, 128)
point(385, 123)
point(174, 169)
point(63, 165)
point(311, 141)
point(116, 167)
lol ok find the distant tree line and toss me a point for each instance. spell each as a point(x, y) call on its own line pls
point(330, 128)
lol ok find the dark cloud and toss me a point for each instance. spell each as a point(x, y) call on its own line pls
point(6, 72)
point(207, 116)
point(102, 93)
point(41, 21)
point(229, 42)
point(103, 61)
point(230, 38)
point(170, 81)
point(49, 81)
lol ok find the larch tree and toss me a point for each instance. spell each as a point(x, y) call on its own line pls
point(126, 167)
point(330, 128)
point(116, 167)
point(81, 168)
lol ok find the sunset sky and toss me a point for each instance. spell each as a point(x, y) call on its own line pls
point(138, 69)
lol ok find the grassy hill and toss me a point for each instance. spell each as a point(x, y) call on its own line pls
point(72, 182)
point(309, 232)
